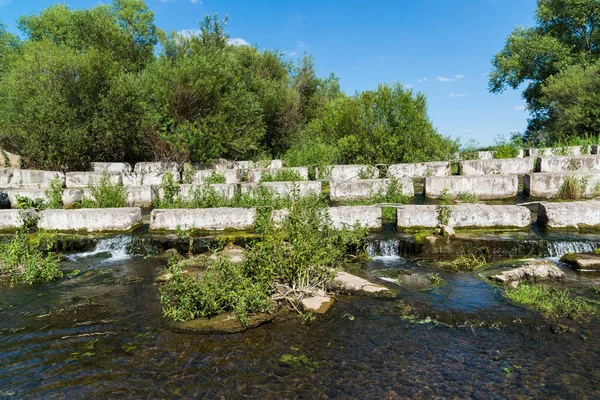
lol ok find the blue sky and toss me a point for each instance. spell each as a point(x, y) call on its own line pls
point(441, 48)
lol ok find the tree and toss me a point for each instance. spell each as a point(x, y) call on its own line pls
point(566, 34)
point(9, 44)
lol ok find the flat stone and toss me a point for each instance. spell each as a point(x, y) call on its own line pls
point(582, 261)
point(346, 282)
point(226, 322)
point(235, 253)
point(531, 270)
point(317, 304)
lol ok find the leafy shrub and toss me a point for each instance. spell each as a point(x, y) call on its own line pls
point(508, 148)
point(27, 203)
point(215, 178)
point(187, 177)
point(466, 262)
point(282, 175)
point(170, 191)
point(54, 194)
point(21, 262)
point(468, 197)
point(572, 188)
point(105, 194)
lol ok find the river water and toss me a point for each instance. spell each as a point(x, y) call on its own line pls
point(100, 334)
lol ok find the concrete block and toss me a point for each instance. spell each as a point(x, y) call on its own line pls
point(140, 196)
point(230, 175)
point(418, 170)
point(487, 187)
point(473, 216)
point(283, 189)
point(210, 219)
point(9, 160)
point(151, 173)
point(366, 188)
point(348, 216)
point(91, 220)
point(69, 196)
point(187, 192)
point(254, 175)
point(496, 166)
point(568, 163)
point(554, 151)
point(547, 185)
point(85, 179)
point(29, 178)
point(570, 215)
point(111, 168)
point(12, 220)
point(342, 173)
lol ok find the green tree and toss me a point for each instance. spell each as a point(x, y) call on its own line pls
point(9, 44)
point(566, 34)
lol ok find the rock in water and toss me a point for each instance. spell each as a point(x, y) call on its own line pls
point(346, 282)
point(582, 261)
point(532, 270)
point(317, 304)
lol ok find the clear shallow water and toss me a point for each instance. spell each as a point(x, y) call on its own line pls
point(101, 335)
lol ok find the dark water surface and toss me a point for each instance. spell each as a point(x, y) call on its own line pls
point(100, 334)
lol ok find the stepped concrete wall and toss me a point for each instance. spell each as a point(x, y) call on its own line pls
point(230, 175)
point(187, 192)
point(254, 175)
point(342, 173)
point(111, 168)
point(547, 185)
point(555, 152)
point(28, 178)
point(210, 219)
point(474, 216)
point(301, 188)
point(151, 173)
point(12, 220)
point(419, 170)
point(91, 220)
point(69, 196)
point(496, 166)
point(566, 164)
point(348, 216)
point(84, 179)
point(487, 187)
point(570, 215)
point(366, 189)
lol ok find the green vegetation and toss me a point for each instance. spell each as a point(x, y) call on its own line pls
point(558, 62)
point(215, 178)
point(282, 175)
point(507, 148)
point(54, 194)
point(573, 188)
point(301, 257)
point(392, 193)
point(298, 361)
point(20, 261)
point(466, 262)
point(467, 197)
point(552, 302)
point(105, 195)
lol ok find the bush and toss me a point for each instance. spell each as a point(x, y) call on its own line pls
point(282, 175)
point(572, 188)
point(467, 197)
point(215, 178)
point(54, 194)
point(106, 195)
point(21, 262)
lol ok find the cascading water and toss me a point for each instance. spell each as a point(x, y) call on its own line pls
point(387, 248)
point(559, 249)
point(116, 247)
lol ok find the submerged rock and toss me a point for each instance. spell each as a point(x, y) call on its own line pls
point(346, 282)
point(226, 323)
point(317, 304)
point(582, 261)
point(531, 270)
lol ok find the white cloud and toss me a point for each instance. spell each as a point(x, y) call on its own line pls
point(301, 43)
point(520, 108)
point(196, 1)
point(444, 79)
point(466, 131)
point(458, 94)
point(422, 80)
point(237, 42)
point(408, 86)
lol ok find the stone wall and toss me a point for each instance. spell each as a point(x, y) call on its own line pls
point(111, 168)
point(546, 185)
point(11, 220)
point(487, 187)
point(419, 170)
point(300, 188)
point(342, 173)
point(468, 216)
point(570, 215)
point(209, 219)
point(497, 166)
point(347, 217)
point(230, 175)
point(75, 180)
point(91, 220)
point(566, 164)
point(366, 188)
point(254, 175)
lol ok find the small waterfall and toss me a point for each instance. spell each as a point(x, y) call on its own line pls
point(116, 247)
point(383, 248)
point(559, 249)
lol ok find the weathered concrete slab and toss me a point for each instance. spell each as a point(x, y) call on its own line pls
point(12, 220)
point(91, 220)
point(342, 173)
point(69, 196)
point(419, 170)
point(28, 178)
point(582, 261)
point(268, 164)
point(230, 175)
point(567, 164)
point(210, 219)
point(570, 215)
point(140, 196)
point(187, 192)
point(254, 175)
point(487, 187)
point(348, 216)
point(84, 179)
point(111, 168)
point(366, 188)
point(547, 185)
point(151, 173)
point(9, 160)
point(555, 151)
point(294, 189)
point(533, 270)
point(496, 166)
point(473, 216)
